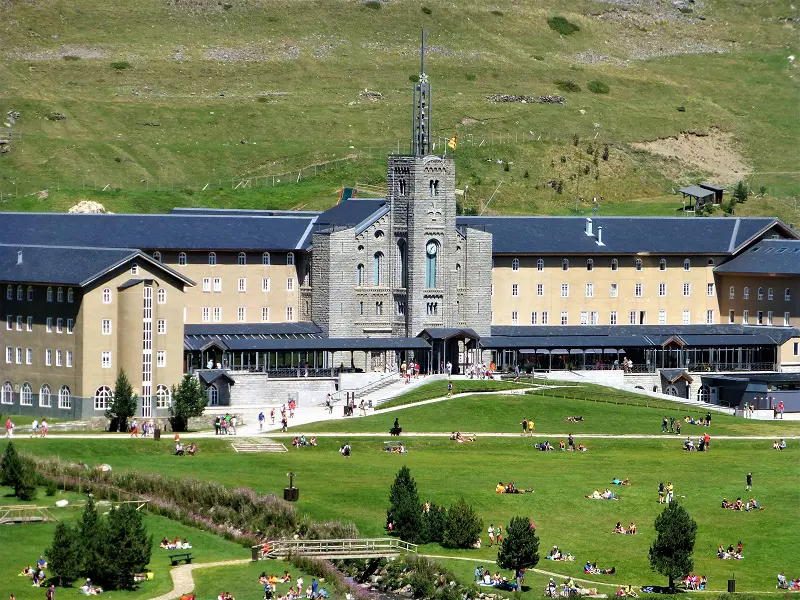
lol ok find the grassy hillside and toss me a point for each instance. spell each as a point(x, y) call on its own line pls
point(181, 95)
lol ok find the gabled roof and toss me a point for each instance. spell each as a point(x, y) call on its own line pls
point(767, 257)
point(564, 236)
point(446, 333)
point(77, 266)
point(358, 213)
point(673, 375)
point(696, 191)
point(209, 376)
point(158, 232)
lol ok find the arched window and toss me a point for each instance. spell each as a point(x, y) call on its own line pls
point(671, 390)
point(102, 397)
point(638, 264)
point(49, 294)
point(564, 264)
point(662, 264)
point(26, 395)
point(182, 258)
point(401, 186)
point(589, 264)
point(212, 259)
point(377, 268)
point(459, 275)
point(30, 293)
point(9, 292)
point(106, 295)
point(402, 270)
point(687, 264)
point(70, 295)
point(732, 293)
point(213, 395)
point(515, 264)
point(770, 294)
point(360, 275)
point(787, 294)
point(760, 293)
point(431, 251)
point(242, 258)
point(290, 259)
point(540, 265)
point(157, 256)
point(44, 396)
point(134, 269)
point(710, 262)
point(20, 293)
point(614, 264)
point(60, 295)
point(7, 393)
point(162, 397)
point(162, 296)
point(64, 397)
point(265, 259)
point(703, 394)
point(746, 293)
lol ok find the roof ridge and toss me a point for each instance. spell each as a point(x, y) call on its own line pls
point(106, 248)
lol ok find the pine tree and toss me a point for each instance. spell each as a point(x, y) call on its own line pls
point(405, 509)
point(463, 527)
point(188, 400)
point(91, 541)
point(123, 404)
point(63, 563)
point(671, 552)
point(740, 192)
point(127, 546)
point(520, 547)
point(434, 520)
point(13, 468)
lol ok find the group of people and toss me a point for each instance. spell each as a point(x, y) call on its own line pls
point(620, 528)
point(731, 552)
point(409, 370)
point(345, 450)
point(751, 504)
point(510, 488)
point(568, 589)
point(693, 582)
point(310, 592)
point(495, 534)
point(779, 445)
point(457, 436)
point(479, 371)
point(225, 425)
point(627, 591)
point(665, 493)
point(527, 426)
point(181, 450)
point(36, 573)
point(225, 596)
point(703, 444)
point(485, 577)
point(302, 441)
point(395, 448)
point(147, 428)
point(175, 544)
point(605, 495)
point(37, 429)
point(593, 569)
point(788, 584)
point(556, 554)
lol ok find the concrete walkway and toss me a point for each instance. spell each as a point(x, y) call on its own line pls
point(182, 581)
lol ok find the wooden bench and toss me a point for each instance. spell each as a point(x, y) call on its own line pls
point(177, 558)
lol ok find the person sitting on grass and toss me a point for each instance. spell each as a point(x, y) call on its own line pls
point(345, 450)
point(562, 446)
point(753, 505)
point(555, 554)
point(616, 481)
point(192, 449)
point(87, 589)
point(27, 572)
point(500, 488)
point(179, 449)
point(313, 440)
point(287, 577)
point(461, 439)
point(581, 448)
point(618, 528)
point(632, 528)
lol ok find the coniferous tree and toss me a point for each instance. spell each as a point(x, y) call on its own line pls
point(63, 563)
point(671, 552)
point(127, 547)
point(520, 547)
point(91, 540)
point(463, 527)
point(12, 467)
point(123, 403)
point(434, 521)
point(405, 509)
point(188, 400)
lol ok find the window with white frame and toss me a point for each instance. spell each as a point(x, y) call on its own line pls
point(515, 289)
point(20, 321)
point(290, 284)
point(69, 358)
point(217, 314)
point(760, 317)
point(30, 293)
point(770, 294)
point(289, 313)
point(589, 264)
point(217, 284)
point(265, 314)
point(49, 294)
point(514, 317)
point(732, 293)
point(20, 293)
point(787, 319)
point(105, 326)
point(745, 317)
point(9, 355)
point(242, 284)
point(64, 397)
point(290, 259)
point(26, 395)
point(44, 396)
point(241, 314)
point(534, 318)
point(242, 259)
point(731, 316)
point(102, 398)
point(206, 284)
point(29, 356)
point(662, 317)
point(662, 264)
point(584, 317)
point(687, 289)
point(614, 264)
point(639, 264)
point(19, 355)
point(59, 325)
point(787, 295)
point(9, 292)
point(540, 265)
point(48, 357)
point(769, 317)
point(105, 359)
point(545, 317)
point(48, 325)
point(746, 293)
point(594, 317)
point(265, 284)
point(564, 264)
point(710, 317)
point(161, 296)
point(134, 269)
point(612, 317)
point(212, 259)
point(161, 358)
point(540, 289)
point(687, 265)
point(182, 258)
point(265, 259)
point(687, 318)
point(590, 290)
point(70, 326)
point(637, 290)
point(161, 326)
point(515, 264)
point(157, 256)
point(206, 314)
point(565, 290)
point(163, 399)
point(614, 290)
point(564, 317)
point(709, 289)
point(662, 289)
point(213, 395)
point(106, 296)
point(760, 293)
point(7, 396)
point(59, 358)
point(632, 317)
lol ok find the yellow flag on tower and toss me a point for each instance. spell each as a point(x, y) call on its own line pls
point(451, 143)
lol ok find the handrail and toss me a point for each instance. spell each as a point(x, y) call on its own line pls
point(355, 547)
point(370, 387)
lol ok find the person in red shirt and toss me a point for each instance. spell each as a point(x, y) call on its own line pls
point(707, 441)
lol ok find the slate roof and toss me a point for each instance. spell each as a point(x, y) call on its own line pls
point(246, 212)
point(767, 257)
point(445, 333)
point(267, 329)
point(162, 232)
point(696, 191)
point(621, 235)
point(309, 344)
point(77, 266)
point(209, 376)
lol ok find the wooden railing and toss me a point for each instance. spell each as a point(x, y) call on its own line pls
point(350, 548)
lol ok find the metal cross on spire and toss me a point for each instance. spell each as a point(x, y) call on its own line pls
point(421, 126)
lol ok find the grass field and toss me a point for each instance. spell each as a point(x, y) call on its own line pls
point(162, 98)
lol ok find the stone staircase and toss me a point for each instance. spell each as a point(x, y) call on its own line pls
point(260, 445)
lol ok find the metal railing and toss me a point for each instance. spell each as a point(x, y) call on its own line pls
point(344, 548)
point(372, 386)
point(739, 366)
point(289, 372)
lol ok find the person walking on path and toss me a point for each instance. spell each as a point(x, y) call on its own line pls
point(284, 424)
point(9, 428)
point(531, 426)
point(516, 373)
point(571, 443)
point(749, 480)
point(746, 408)
point(707, 442)
point(664, 422)
point(678, 427)
point(261, 421)
point(272, 415)
point(780, 408)
point(449, 388)
point(449, 368)
point(524, 425)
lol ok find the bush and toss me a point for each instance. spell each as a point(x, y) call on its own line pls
point(565, 85)
point(562, 26)
point(598, 87)
point(470, 77)
point(426, 10)
point(497, 13)
point(71, 57)
point(373, 4)
point(526, 175)
point(463, 527)
point(413, 78)
point(740, 192)
point(119, 65)
point(51, 488)
point(605, 152)
point(506, 167)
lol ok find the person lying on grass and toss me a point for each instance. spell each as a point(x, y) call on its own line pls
point(87, 589)
point(544, 446)
point(574, 419)
point(606, 495)
point(620, 528)
point(593, 569)
point(510, 488)
point(616, 481)
point(456, 436)
point(730, 553)
point(627, 591)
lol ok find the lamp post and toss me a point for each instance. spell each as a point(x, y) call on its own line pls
point(291, 494)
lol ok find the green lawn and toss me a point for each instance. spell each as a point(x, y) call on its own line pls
point(22, 544)
point(356, 489)
point(242, 580)
point(437, 389)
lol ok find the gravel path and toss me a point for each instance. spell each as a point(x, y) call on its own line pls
point(182, 581)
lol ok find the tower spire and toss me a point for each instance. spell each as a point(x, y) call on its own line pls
point(421, 126)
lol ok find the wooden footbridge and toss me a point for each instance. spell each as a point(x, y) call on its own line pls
point(374, 548)
point(25, 513)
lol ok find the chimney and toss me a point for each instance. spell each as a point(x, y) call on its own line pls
point(19, 257)
point(600, 236)
point(589, 228)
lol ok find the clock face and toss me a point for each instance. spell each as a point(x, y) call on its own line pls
point(431, 248)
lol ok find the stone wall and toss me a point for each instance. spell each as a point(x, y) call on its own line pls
point(257, 389)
